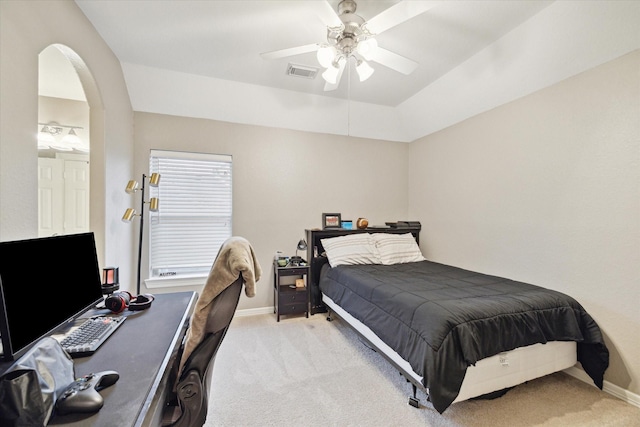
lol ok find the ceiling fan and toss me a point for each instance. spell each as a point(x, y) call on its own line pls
point(350, 36)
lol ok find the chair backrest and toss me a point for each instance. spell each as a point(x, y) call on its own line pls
point(222, 310)
point(192, 387)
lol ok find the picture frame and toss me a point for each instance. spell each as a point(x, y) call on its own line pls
point(331, 220)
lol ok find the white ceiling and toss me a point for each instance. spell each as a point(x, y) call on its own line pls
point(224, 39)
point(473, 55)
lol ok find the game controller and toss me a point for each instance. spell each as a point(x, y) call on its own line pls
point(82, 395)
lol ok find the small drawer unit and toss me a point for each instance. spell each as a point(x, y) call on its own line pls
point(290, 290)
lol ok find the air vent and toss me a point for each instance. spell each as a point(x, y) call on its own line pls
point(302, 71)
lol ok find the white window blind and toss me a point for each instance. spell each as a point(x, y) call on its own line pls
point(194, 216)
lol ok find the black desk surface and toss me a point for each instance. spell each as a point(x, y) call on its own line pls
point(140, 351)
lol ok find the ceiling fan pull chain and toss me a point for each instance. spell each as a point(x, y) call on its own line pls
point(349, 100)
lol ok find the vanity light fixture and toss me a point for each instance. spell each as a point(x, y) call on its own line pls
point(50, 136)
point(71, 138)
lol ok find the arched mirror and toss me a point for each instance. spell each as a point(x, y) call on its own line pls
point(63, 146)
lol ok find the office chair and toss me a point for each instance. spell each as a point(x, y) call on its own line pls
point(187, 406)
point(235, 265)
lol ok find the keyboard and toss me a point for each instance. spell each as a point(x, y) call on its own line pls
point(86, 339)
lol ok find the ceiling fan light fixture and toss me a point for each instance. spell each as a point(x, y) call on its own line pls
point(349, 35)
point(367, 48)
point(330, 75)
point(325, 56)
point(364, 70)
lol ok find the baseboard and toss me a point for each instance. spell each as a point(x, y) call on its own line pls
point(254, 311)
point(607, 387)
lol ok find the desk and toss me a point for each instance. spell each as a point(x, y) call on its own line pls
point(142, 351)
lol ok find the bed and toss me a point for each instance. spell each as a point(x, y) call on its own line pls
point(453, 333)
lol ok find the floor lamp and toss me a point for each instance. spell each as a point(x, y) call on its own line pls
point(154, 202)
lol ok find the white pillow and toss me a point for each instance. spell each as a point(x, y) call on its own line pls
point(397, 248)
point(351, 249)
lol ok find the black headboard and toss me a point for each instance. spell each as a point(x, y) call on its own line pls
point(317, 260)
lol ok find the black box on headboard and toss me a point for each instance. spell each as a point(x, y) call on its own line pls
point(403, 224)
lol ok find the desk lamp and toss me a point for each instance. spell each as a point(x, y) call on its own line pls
point(297, 260)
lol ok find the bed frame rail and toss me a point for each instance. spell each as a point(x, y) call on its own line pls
point(415, 385)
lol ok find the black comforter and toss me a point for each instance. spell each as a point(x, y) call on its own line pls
point(442, 319)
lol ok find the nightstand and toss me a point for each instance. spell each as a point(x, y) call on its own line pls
point(287, 297)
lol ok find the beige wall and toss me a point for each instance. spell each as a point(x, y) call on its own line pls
point(27, 28)
point(284, 180)
point(546, 190)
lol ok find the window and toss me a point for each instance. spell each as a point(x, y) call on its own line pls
point(194, 216)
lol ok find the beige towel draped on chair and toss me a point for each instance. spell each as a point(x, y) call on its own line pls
point(236, 258)
point(234, 265)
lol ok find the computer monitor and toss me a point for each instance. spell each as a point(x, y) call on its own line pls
point(45, 283)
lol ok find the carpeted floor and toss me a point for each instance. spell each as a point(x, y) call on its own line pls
point(310, 372)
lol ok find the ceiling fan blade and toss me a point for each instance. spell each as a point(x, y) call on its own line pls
point(397, 14)
point(328, 15)
point(394, 61)
point(282, 53)
point(333, 86)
